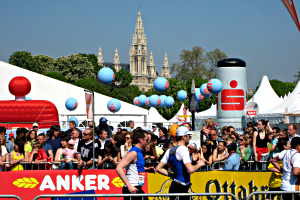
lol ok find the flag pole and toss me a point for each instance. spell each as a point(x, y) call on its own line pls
point(93, 122)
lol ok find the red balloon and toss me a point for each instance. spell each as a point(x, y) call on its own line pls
point(19, 86)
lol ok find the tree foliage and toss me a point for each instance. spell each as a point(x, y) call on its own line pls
point(197, 63)
point(297, 76)
point(56, 75)
point(22, 59)
point(123, 78)
point(212, 58)
point(92, 58)
point(75, 67)
point(282, 88)
point(43, 64)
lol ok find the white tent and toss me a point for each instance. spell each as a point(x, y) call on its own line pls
point(211, 112)
point(46, 88)
point(155, 117)
point(292, 103)
point(266, 98)
point(183, 115)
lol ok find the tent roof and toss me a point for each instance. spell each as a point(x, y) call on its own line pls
point(212, 111)
point(180, 114)
point(266, 97)
point(155, 117)
point(292, 104)
point(46, 88)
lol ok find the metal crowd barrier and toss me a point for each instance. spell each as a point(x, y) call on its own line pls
point(9, 196)
point(274, 195)
point(176, 196)
point(245, 166)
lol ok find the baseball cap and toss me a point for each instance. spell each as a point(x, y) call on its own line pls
point(103, 119)
point(182, 131)
point(190, 132)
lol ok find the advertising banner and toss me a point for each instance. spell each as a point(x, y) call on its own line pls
point(28, 184)
point(238, 183)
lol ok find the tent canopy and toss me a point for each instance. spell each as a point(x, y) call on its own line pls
point(183, 115)
point(155, 117)
point(266, 98)
point(211, 112)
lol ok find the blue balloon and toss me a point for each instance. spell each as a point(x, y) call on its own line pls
point(142, 98)
point(169, 101)
point(114, 105)
point(181, 95)
point(162, 101)
point(214, 86)
point(154, 100)
point(136, 101)
point(74, 119)
point(204, 91)
point(198, 95)
point(106, 75)
point(161, 84)
point(71, 104)
point(147, 102)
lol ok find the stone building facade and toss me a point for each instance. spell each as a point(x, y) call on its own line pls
point(141, 62)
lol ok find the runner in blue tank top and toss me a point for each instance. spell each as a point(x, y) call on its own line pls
point(179, 160)
point(134, 164)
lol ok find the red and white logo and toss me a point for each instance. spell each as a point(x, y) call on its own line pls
point(233, 99)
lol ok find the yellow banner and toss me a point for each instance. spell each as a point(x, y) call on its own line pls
point(240, 184)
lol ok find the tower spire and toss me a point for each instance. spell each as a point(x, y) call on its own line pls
point(151, 60)
point(117, 62)
point(165, 69)
point(100, 58)
point(138, 51)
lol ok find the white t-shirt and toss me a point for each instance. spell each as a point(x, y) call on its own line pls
point(182, 153)
point(290, 159)
point(3, 150)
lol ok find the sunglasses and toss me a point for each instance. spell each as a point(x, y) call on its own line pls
point(127, 138)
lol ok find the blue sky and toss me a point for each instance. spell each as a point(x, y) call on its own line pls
point(260, 32)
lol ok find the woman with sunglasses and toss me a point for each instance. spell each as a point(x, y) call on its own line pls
point(128, 144)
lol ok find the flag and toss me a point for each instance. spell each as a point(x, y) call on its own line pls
point(289, 4)
point(89, 100)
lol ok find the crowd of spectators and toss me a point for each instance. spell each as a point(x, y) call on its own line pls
point(222, 149)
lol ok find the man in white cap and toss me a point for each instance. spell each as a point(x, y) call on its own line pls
point(179, 159)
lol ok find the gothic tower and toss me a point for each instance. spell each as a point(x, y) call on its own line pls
point(165, 72)
point(151, 67)
point(138, 56)
point(117, 63)
point(100, 58)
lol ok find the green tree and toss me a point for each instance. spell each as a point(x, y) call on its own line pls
point(197, 63)
point(93, 85)
point(22, 59)
point(75, 67)
point(192, 64)
point(213, 57)
point(56, 75)
point(123, 78)
point(297, 76)
point(43, 64)
point(92, 58)
point(282, 88)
